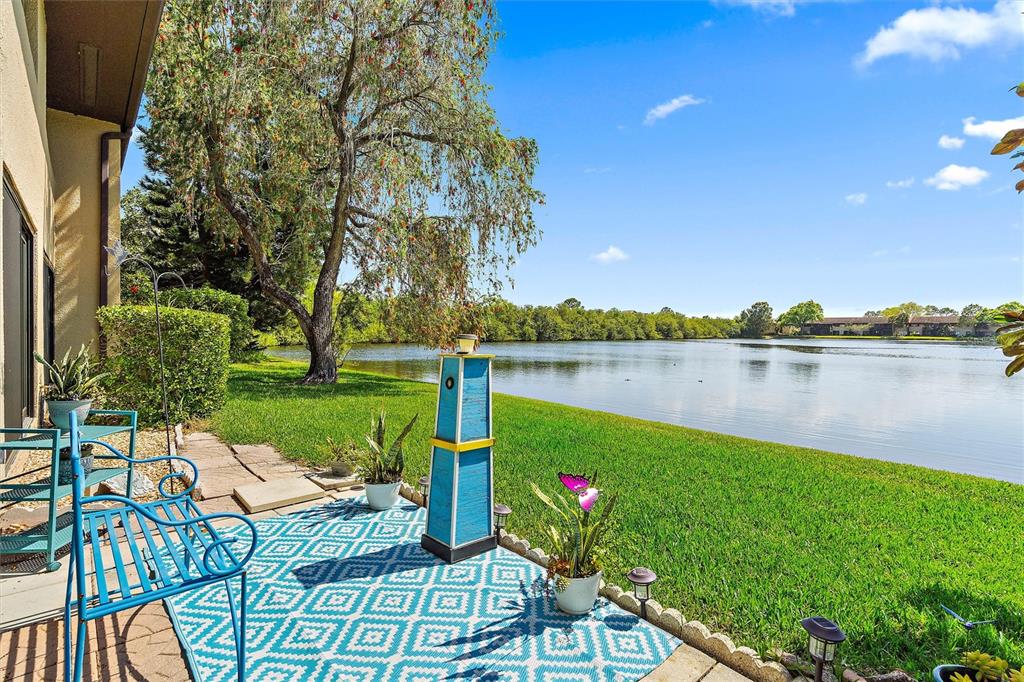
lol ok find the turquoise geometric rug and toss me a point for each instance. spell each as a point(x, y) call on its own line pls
point(342, 594)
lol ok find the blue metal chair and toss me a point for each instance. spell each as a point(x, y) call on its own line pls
point(158, 549)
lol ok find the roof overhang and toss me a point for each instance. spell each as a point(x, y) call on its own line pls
point(97, 56)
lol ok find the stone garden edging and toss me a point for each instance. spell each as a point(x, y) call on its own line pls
point(715, 644)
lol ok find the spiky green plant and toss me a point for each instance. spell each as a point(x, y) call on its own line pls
point(381, 463)
point(71, 378)
point(1017, 675)
point(960, 677)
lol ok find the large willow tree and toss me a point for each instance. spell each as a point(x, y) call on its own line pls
point(356, 133)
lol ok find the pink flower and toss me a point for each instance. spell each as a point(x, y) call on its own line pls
point(588, 498)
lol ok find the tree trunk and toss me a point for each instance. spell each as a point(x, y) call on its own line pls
point(323, 364)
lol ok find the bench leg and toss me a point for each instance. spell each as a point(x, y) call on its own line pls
point(238, 624)
point(68, 650)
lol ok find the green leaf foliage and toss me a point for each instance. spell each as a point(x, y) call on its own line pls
point(318, 132)
point(802, 313)
point(71, 378)
point(137, 289)
point(196, 353)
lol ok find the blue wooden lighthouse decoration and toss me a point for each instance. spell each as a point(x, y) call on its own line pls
point(461, 501)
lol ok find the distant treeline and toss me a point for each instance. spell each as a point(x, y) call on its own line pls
point(373, 321)
point(570, 321)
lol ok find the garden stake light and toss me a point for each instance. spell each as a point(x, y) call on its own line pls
point(642, 579)
point(425, 488)
point(501, 513)
point(824, 637)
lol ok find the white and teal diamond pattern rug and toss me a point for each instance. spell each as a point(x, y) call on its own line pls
point(342, 594)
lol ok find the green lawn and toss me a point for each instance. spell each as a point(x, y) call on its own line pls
point(746, 536)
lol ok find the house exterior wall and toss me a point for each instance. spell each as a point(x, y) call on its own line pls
point(24, 151)
point(75, 156)
point(51, 162)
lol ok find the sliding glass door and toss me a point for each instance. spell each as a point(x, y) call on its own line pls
point(18, 314)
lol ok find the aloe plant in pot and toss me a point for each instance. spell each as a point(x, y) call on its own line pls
point(71, 386)
point(381, 466)
point(575, 541)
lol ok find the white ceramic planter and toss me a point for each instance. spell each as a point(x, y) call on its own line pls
point(579, 597)
point(60, 411)
point(381, 496)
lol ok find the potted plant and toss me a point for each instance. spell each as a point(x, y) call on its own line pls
point(575, 540)
point(381, 466)
point(342, 462)
point(65, 474)
point(976, 666)
point(71, 386)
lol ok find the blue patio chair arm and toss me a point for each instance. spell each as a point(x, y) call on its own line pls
point(162, 458)
point(219, 544)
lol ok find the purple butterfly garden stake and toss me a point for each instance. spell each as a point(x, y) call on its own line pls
point(580, 485)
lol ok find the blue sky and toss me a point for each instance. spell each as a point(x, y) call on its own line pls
point(707, 155)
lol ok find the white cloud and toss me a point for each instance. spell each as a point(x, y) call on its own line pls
point(953, 177)
point(938, 32)
point(948, 142)
point(900, 184)
point(664, 109)
point(780, 8)
point(707, 23)
point(857, 199)
point(992, 129)
point(612, 254)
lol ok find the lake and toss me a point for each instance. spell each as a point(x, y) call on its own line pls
point(940, 405)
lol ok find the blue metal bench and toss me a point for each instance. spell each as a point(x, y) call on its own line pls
point(156, 550)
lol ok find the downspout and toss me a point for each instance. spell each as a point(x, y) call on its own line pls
point(105, 139)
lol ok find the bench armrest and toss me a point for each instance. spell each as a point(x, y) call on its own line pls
point(219, 544)
point(117, 454)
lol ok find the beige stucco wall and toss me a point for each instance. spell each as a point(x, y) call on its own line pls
point(23, 141)
point(75, 157)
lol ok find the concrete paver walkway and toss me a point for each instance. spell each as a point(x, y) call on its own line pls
point(140, 644)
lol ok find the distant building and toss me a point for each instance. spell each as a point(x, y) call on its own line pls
point(849, 326)
point(921, 325)
point(933, 325)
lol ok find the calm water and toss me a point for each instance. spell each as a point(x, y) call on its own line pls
point(939, 405)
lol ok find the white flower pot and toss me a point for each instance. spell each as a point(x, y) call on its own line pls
point(579, 597)
point(381, 496)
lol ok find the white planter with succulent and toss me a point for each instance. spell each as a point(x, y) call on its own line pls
point(575, 541)
point(381, 466)
point(71, 386)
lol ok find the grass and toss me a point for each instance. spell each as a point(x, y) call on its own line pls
point(746, 536)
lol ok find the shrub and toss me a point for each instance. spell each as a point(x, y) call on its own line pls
point(196, 355)
point(218, 301)
point(137, 289)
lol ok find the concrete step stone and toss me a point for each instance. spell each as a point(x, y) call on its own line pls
point(686, 664)
point(257, 497)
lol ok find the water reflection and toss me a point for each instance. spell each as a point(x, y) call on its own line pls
point(941, 405)
point(804, 372)
point(757, 370)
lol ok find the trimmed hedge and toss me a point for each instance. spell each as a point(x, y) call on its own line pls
point(137, 289)
point(196, 357)
point(218, 301)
